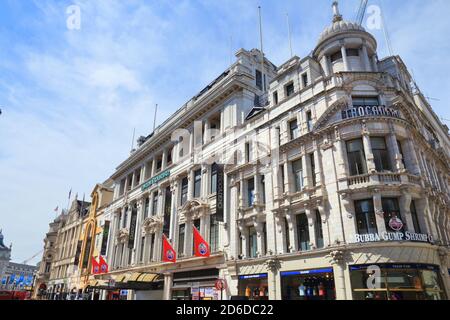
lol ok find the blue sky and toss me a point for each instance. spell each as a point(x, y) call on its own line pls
point(71, 98)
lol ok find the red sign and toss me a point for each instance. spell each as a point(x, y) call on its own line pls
point(201, 247)
point(169, 255)
point(103, 265)
point(219, 285)
point(95, 266)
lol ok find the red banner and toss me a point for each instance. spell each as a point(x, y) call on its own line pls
point(169, 255)
point(201, 247)
point(103, 265)
point(95, 266)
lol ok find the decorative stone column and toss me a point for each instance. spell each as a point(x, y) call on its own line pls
point(188, 237)
point(259, 236)
point(368, 149)
point(337, 260)
point(379, 213)
point(341, 151)
point(366, 58)
point(344, 58)
point(168, 281)
point(290, 217)
point(173, 210)
point(244, 239)
point(405, 209)
point(311, 227)
point(273, 266)
point(397, 156)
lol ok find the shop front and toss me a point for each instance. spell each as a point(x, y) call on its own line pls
point(254, 286)
point(396, 282)
point(314, 284)
point(196, 285)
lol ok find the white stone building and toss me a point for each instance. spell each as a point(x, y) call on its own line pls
point(304, 179)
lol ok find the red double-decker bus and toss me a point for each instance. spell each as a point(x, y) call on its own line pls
point(14, 295)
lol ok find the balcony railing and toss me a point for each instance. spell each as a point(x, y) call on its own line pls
point(383, 178)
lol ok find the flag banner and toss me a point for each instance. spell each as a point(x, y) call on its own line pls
point(12, 278)
point(169, 254)
point(103, 265)
point(201, 247)
point(4, 281)
point(95, 266)
point(21, 278)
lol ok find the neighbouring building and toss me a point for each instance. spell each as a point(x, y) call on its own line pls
point(94, 240)
point(5, 257)
point(64, 271)
point(48, 257)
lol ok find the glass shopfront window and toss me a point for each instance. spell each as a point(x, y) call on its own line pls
point(396, 282)
point(317, 284)
point(254, 287)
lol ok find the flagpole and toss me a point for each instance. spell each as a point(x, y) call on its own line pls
point(154, 119)
point(262, 50)
point(289, 34)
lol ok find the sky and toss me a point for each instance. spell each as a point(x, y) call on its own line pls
point(71, 98)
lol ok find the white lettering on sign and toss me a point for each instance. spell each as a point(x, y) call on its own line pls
point(393, 236)
point(362, 111)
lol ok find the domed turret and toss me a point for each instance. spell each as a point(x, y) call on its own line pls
point(346, 46)
point(339, 25)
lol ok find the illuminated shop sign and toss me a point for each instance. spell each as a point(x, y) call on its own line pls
point(253, 276)
point(156, 179)
point(302, 272)
point(363, 111)
point(418, 266)
point(393, 236)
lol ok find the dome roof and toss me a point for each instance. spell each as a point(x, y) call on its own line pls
point(339, 25)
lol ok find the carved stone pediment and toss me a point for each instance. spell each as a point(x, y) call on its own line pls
point(194, 209)
point(122, 235)
point(152, 224)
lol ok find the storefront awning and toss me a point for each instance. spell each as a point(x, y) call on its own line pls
point(143, 277)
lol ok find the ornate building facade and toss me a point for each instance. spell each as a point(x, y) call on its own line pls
point(324, 178)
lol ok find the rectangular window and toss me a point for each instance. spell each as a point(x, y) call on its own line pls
point(197, 183)
point(251, 192)
point(289, 89)
point(293, 129)
point(319, 231)
point(130, 182)
point(392, 217)
point(309, 121)
point(356, 157)
point(184, 190)
point(258, 79)
point(158, 164)
point(214, 178)
point(252, 242)
point(365, 101)
point(286, 235)
point(137, 177)
point(282, 178)
point(415, 218)
point(380, 154)
point(141, 252)
point(214, 234)
point(297, 170)
point(146, 207)
point(169, 156)
point(196, 224)
point(248, 152)
point(122, 187)
point(275, 97)
point(303, 232)
point(336, 56)
point(365, 217)
point(155, 204)
point(305, 79)
point(181, 235)
point(313, 169)
point(167, 211)
point(352, 52)
point(152, 246)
